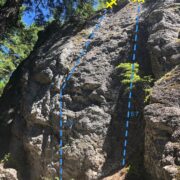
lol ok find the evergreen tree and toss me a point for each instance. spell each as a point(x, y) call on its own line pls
point(14, 47)
point(19, 40)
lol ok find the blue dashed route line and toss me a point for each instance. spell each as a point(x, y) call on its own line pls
point(77, 62)
point(124, 152)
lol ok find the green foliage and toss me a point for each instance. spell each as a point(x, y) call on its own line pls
point(18, 42)
point(61, 11)
point(101, 4)
point(15, 46)
point(2, 2)
point(126, 73)
point(9, 160)
point(84, 12)
point(147, 94)
point(2, 85)
point(6, 158)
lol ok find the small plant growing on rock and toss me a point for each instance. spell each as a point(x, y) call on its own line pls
point(131, 73)
point(6, 158)
point(126, 69)
point(147, 94)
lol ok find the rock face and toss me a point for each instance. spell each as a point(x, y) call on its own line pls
point(8, 174)
point(162, 132)
point(163, 24)
point(94, 101)
point(162, 116)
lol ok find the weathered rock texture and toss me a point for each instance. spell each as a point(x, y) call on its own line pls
point(163, 25)
point(94, 99)
point(7, 174)
point(162, 133)
point(162, 116)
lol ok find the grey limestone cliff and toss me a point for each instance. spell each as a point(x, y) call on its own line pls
point(95, 101)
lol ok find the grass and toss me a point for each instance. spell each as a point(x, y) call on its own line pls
point(168, 76)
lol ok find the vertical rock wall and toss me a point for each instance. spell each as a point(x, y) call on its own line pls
point(95, 102)
point(162, 133)
point(162, 116)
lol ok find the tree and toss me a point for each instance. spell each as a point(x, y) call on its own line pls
point(9, 11)
point(15, 46)
point(101, 4)
point(18, 41)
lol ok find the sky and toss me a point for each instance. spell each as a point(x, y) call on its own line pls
point(28, 17)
